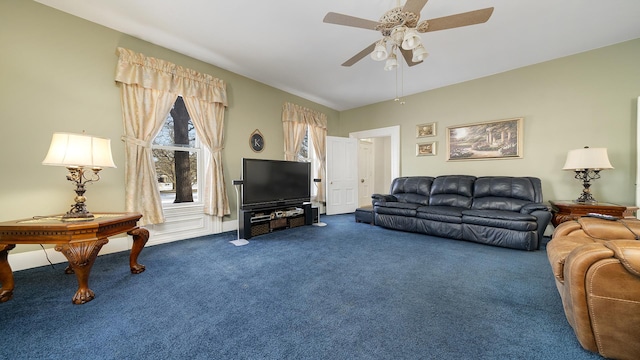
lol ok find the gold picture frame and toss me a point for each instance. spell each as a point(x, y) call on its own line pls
point(426, 130)
point(491, 140)
point(426, 148)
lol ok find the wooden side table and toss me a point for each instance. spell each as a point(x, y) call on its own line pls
point(79, 241)
point(565, 210)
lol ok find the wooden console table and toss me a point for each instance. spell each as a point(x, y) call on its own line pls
point(565, 210)
point(79, 241)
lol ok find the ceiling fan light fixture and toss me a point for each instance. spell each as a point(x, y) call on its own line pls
point(380, 51)
point(411, 39)
point(419, 53)
point(400, 28)
point(397, 34)
point(392, 62)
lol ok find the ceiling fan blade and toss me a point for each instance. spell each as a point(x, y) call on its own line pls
point(414, 6)
point(348, 20)
point(408, 56)
point(359, 56)
point(459, 20)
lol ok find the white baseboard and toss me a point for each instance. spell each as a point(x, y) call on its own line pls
point(168, 233)
point(37, 258)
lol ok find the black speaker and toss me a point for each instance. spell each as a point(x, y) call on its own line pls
point(314, 214)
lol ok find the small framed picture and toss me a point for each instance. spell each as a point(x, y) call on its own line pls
point(426, 130)
point(426, 149)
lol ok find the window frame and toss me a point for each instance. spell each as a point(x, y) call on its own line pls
point(201, 153)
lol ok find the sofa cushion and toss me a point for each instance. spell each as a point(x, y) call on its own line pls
point(505, 193)
point(447, 214)
point(606, 229)
point(500, 219)
point(452, 190)
point(414, 189)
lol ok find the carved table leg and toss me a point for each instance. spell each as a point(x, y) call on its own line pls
point(6, 275)
point(81, 256)
point(140, 237)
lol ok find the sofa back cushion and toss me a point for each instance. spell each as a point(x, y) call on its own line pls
point(506, 193)
point(452, 190)
point(412, 189)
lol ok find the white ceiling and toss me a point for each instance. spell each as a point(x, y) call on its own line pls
point(285, 44)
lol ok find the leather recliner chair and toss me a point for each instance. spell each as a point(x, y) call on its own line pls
point(596, 264)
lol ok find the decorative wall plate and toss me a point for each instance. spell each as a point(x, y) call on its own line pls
point(256, 141)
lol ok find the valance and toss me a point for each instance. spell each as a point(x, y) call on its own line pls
point(297, 113)
point(152, 73)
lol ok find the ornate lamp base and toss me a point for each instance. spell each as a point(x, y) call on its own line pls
point(79, 209)
point(586, 176)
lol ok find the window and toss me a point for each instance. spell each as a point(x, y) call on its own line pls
point(308, 154)
point(177, 156)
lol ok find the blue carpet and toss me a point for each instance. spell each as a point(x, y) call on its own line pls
point(345, 291)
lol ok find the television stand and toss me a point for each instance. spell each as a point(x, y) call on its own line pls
point(259, 222)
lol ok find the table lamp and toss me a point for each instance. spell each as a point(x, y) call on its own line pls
point(75, 152)
point(587, 164)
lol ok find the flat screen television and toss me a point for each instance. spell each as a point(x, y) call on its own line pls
point(274, 183)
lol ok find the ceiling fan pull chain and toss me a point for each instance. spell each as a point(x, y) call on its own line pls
point(401, 84)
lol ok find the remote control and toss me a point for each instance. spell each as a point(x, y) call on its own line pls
point(602, 216)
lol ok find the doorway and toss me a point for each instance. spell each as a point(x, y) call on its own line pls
point(380, 165)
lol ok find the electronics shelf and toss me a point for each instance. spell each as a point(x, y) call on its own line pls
point(259, 222)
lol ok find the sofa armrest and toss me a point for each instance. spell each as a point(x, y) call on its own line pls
point(382, 197)
point(628, 252)
point(530, 208)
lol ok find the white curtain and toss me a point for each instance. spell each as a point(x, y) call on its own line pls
point(144, 112)
point(295, 121)
point(149, 88)
point(208, 119)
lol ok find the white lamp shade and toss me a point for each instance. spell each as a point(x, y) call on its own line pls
point(392, 62)
point(587, 158)
point(419, 53)
point(411, 39)
point(380, 52)
point(79, 150)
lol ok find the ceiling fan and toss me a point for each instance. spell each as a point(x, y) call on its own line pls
point(400, 27)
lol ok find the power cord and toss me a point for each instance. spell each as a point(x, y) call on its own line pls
point(47, 256)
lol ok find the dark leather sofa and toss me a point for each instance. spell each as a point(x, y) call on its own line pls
point(495, 210)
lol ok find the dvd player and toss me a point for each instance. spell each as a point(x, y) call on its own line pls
point(259, 218)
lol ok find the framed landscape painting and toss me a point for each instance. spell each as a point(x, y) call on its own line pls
point(426, 149)
point(426, 130)
point(500, 139)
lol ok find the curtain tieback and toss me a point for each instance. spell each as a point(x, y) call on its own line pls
point(217, 149)
point(132, 140)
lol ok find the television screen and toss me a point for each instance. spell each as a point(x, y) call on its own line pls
point(270, 183)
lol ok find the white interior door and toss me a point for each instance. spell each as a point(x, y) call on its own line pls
point(366, 177)
point(342, 175)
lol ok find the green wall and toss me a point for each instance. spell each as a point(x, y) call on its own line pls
point(58, 75)
point(588, 99)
